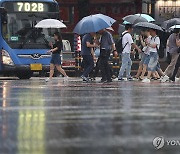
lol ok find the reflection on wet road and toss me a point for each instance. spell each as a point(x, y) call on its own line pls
point(87, 118)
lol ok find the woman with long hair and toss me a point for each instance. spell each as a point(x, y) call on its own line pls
point(56, 58)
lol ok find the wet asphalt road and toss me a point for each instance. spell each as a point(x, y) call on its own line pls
point(87, 118)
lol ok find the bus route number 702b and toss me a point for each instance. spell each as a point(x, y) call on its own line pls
point(30, 7)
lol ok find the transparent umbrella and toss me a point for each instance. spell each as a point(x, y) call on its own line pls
point(50, 23)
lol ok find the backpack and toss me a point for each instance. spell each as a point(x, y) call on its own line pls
point(119, 46)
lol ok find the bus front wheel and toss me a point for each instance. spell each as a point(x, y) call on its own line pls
point(24, 75)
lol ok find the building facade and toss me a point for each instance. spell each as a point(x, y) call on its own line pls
point(166, 9)
point(71, 11)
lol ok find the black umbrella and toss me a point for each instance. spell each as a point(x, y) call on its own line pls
point(121, 29)
point(148, 25)
point(133, 19)
point(169, 23)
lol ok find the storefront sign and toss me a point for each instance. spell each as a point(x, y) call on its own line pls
point(169, 11)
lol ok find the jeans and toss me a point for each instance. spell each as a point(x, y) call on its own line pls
point(158, 67)
point(88, 64)
point(126, 65)
point(144, 59)
point(152, 65)
point(143, 56)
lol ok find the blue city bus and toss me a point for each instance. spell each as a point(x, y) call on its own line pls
point(23, 47)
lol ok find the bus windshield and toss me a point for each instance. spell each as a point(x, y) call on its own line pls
point(20, 33)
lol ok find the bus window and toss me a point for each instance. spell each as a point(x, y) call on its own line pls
point(13, 26)
point(20, 33)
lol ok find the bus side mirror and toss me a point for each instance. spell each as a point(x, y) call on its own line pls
point(3, 13)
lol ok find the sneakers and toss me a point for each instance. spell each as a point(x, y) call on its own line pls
point(113, 77)
point(66, 78)
point(130, 79)
point(172, 79)
point(121, 79)
point(161, 78)
point(47, 79)
point(165, 78)
point(177, 79)
point(85, 79)
point(136, 78)
point(146, 80)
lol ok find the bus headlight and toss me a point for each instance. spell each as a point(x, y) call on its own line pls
point(6, 59)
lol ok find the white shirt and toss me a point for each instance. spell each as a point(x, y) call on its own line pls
point(154, 40)
point(127, 38)
point(146, 48)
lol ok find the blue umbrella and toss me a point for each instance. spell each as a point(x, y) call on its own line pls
point(93, 23)
point(147, 17)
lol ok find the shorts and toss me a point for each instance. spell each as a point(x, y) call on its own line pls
point(152, 65)
point(158, 67)
point(144, 59)
point(56, 59)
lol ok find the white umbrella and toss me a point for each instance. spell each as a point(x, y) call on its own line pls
point(50, 23)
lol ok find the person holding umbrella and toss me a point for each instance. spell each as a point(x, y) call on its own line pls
point(142, 38)
point(97, 23)
point(146, 53)
point(56, 59)
point(106, 46)
point(153, 46)
point(88, 54)
point(97, 68)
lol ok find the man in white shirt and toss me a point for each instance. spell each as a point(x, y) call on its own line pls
point(127, 43)
point(153, 46)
